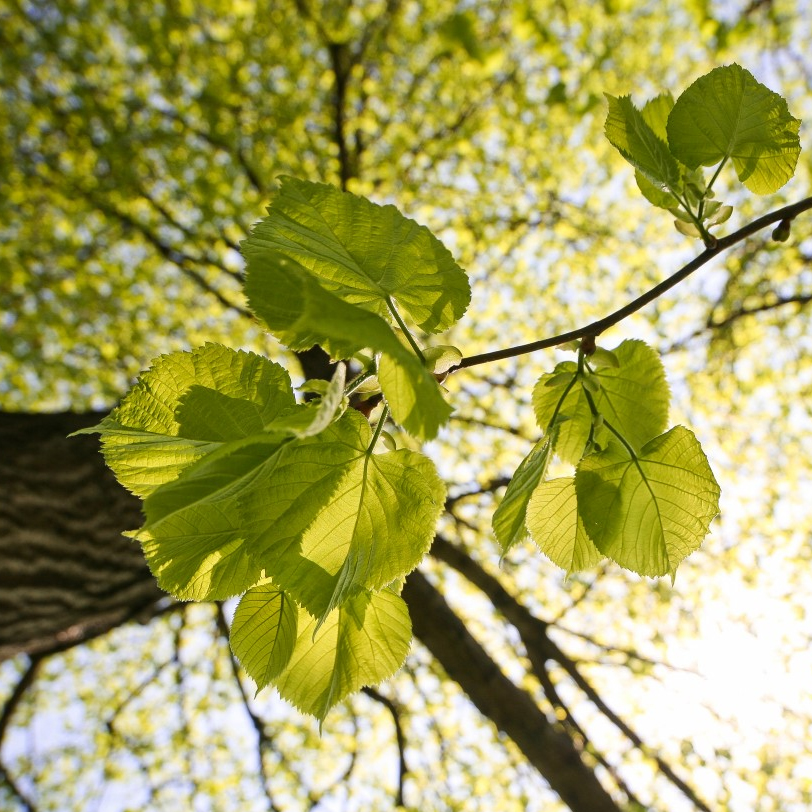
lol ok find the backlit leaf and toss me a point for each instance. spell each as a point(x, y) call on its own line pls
point(628, 131)
point(648, 512)
point(301, 312)
point(360, 252)
point(361, 643)
point(156, 432)
point(557, 529)
point(632, 396)
point(728, 114)
point(509, 517)
point(263, 632)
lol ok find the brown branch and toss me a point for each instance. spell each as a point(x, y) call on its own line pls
point(511, 709)
point(540, 648)
point(10, 706)
point(597, 327)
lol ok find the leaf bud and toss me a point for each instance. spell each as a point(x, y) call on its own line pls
point(782, 231)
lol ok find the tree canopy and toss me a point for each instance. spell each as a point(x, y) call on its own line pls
point(141, 145)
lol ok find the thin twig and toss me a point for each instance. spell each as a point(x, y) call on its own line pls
point(597, 327)
point(263, 739)
point(401, 738)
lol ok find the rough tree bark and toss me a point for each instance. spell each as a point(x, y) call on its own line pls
point(68, 575)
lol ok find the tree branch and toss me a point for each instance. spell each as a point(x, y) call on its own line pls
point(540, 648)
point(510, 708)
point(597, 327)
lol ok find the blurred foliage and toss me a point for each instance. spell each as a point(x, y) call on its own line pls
point(138, 143)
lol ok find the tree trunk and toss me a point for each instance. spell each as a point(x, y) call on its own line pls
point(68, 575)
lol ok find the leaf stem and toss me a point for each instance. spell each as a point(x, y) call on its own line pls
point(402, 325)
point(709, 186)
point(378, 429)
point(560, 403)
point(598, 327)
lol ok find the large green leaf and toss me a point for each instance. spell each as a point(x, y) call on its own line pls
point(263, 632)
point(330, 519)
point(321, 515)
point(632, 396)
point(509, 517)
point(629, 131)
point(361, 252)
point(648, 512)
point(195, 538)
point(728, 114)
point(184, 407)
point(301, 312)
point(361, 643)
point(556, 527)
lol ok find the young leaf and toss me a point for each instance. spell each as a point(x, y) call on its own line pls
point(655, 195)
point(728, 114)
point(361, 643)
point(556, 527)
point(632, 396)
point(639, 144)
point(264, 632)
point(155, 433)
point(314, 417)
point(361, 252)
point(648, 512)
point(441, 358)
point(509, 517)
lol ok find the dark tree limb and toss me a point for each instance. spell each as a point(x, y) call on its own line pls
point(512, 710)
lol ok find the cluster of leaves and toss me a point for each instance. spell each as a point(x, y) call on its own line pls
point(312, 513)
point(726, 115)
point(639, 496)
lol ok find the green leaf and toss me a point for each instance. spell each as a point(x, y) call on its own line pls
point(661, 198)
point(727, 114)
point(413, 395)
point(320, 515)
point(576, 418)
point(195, 538)
point(361, 643)
point(509, 517)
point(184, 407)
point(557, 529)
point(360, 252)
point(328, 519)
point(632, 396)
point(263, 633)
point(655, 113)
point(648, 512)
point(629, 132)
point(301, 313)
